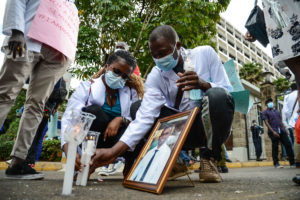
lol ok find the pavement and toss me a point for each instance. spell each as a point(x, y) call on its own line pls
point(240, 183)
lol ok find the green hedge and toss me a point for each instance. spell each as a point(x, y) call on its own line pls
point(5, 149)
point(51, 150)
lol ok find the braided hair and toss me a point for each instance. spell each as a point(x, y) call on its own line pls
point(135, 81)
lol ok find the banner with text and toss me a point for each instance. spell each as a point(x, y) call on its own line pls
point(56, 24)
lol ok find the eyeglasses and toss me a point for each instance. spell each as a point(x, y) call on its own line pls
point(119, 73)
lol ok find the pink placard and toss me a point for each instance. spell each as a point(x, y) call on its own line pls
point(56, 24)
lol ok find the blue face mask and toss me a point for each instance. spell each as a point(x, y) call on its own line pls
point(270, 105)
point(166, 63)
point(114, 81)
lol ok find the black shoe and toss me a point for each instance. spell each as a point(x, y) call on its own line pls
point(296, 179)
point(22, 171)
point(259, 160)
point(224, 169)
point(228, 160)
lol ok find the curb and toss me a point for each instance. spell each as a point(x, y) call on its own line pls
point(40, 166)
point(245, 164)
point(55, 166)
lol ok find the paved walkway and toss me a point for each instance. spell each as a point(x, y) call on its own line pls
point(240, 183)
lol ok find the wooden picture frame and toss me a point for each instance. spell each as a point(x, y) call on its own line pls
point(158, 156)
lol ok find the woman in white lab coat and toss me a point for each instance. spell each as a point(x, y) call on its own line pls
point(108, 96)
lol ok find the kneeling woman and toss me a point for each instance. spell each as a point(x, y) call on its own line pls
point(109, 96)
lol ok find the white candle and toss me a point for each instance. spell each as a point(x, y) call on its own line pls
point(69, 173)
point(85, 160)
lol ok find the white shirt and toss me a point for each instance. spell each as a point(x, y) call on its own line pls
point(97, 96)
point(287, 110)
point(19, 15)
point(155, 168)
point(161, 89)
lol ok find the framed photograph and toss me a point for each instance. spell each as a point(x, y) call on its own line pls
point(157, 158)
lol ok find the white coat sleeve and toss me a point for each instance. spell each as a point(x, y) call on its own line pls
point(76, 102)
point(14, 16)
point(285, 113)
point(218, 74)
point(149, 110)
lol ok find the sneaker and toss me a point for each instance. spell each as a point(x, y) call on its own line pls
point(22, 171)
point(293, 166)
point(228, 160)
point(179, 169)
point(209, 172)
point(8, 161)
point(278, 166)
point(103, 171)
point(224, 169)
point(116, 167)
point(296, 179)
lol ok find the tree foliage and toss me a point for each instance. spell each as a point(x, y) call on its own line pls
point(104, 22)
point(281, 85)
point(251, 72)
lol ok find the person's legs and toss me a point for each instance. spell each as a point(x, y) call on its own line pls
point(259, 151)
point(291, 132)
point(30, 159)
point(12, 78)
point(287, 144)
point(51, 66)
point(274, 149)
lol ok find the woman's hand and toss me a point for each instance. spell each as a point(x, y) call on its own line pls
point(113, 127)
point(249, 37)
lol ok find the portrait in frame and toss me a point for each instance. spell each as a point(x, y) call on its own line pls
point(158, 156)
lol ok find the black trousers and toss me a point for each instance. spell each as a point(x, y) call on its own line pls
point(221, 111)
point(286, 143)
point(257, 145)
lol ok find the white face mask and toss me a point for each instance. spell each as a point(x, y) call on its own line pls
point(167, 62)
point(114, 81)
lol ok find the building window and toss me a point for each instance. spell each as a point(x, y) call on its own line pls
point(239, 49)
point(259, 54)
point(222, 50)
point(232, 56)
point(237, 37)
point(245, 43)
point(229, 31)
point(231, 44)
point(240, 62)
point(221, 36)
point(247, 55)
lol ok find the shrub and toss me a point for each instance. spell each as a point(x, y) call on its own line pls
point(51, 150)
point(5, 149)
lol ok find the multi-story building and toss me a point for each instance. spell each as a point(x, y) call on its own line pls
point(232, 45)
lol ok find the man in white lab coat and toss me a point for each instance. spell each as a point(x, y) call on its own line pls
point(164, 89)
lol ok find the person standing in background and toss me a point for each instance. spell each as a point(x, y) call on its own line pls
point(45, 68)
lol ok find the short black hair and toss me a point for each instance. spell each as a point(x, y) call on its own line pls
point(268, 100)
point(165, 31)
point(128, 57)
point(293, 86)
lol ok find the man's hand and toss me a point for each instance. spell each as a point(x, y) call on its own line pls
point(16, 43)
point(190, 80)
point(106, 156)
point(276, 134)
point(249, 37)
point(113, 127)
